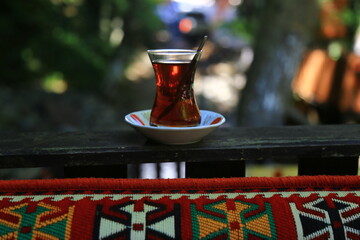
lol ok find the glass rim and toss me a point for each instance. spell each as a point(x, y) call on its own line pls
point(172, 51)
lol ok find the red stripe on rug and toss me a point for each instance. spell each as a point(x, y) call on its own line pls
point(179, 184)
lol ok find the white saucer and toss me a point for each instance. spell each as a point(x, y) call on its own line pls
point(175, 135)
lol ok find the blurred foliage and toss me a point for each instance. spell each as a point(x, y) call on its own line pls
point(249, 19)
point(74, 39)
point(340, 20)
point(337, 13)
point(350, 16)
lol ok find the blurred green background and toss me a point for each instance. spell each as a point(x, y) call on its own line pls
point(82, 64)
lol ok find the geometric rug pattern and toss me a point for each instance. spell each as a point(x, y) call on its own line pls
point(237, 208)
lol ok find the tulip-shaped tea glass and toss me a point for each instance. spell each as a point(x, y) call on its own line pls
point(175, 104)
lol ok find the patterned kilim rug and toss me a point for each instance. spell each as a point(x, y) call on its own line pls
point(237, 208)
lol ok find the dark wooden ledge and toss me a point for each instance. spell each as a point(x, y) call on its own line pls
point(286, 144)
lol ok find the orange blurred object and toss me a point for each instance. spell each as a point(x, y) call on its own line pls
point(185, 25)
point(350, 90)
point(315, 81)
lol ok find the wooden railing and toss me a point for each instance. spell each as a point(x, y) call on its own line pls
point(330, 150)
